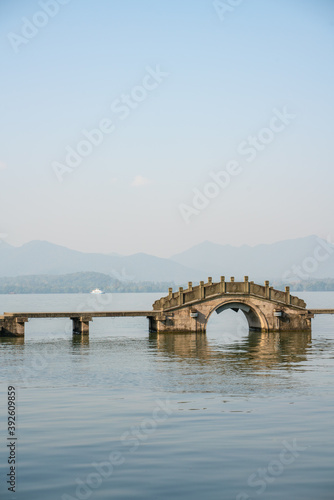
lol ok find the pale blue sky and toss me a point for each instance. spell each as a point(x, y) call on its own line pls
point(225, 78)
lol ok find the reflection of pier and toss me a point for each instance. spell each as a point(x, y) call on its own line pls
point(182, 345)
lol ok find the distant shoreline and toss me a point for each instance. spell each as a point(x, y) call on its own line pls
point(82, 282)
point(85, 282)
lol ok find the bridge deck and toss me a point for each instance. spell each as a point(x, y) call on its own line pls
point(79, 314)
point(109, 314)
point(321, 311)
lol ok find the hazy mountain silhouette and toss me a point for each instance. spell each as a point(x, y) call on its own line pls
point(312, 257)
point(42, 257)
point(288, 260)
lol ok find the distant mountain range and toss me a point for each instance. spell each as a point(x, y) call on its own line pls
point(289, 260)
point(286, 261)
point(42, 257)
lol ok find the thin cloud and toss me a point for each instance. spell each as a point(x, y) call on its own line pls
point(3, 165)
point(139, 180)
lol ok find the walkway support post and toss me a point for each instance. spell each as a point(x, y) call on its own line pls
point(12, 326)
point(81, 325)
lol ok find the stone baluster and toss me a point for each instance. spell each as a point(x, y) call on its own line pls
point(180, 296)
point(222, 284)
point(201, 290)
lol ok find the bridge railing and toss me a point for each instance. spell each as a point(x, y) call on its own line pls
point(206, 290)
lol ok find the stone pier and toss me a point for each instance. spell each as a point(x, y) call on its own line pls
point(12, 326)
point(81, 325)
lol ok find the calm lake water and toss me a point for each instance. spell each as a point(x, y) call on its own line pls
point(130, 415)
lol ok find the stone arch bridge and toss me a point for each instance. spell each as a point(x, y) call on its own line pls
point(266, 309)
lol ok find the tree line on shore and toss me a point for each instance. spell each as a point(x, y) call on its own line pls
point(85, 282)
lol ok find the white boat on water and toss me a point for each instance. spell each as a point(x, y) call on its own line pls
point(97, 291)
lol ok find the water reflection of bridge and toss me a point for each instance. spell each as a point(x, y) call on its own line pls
point(272, 348)
point(260, 349)
point(193, 358)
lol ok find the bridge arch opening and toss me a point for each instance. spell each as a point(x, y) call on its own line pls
point(253, 320)
point(247, 318)
point(228, 327)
